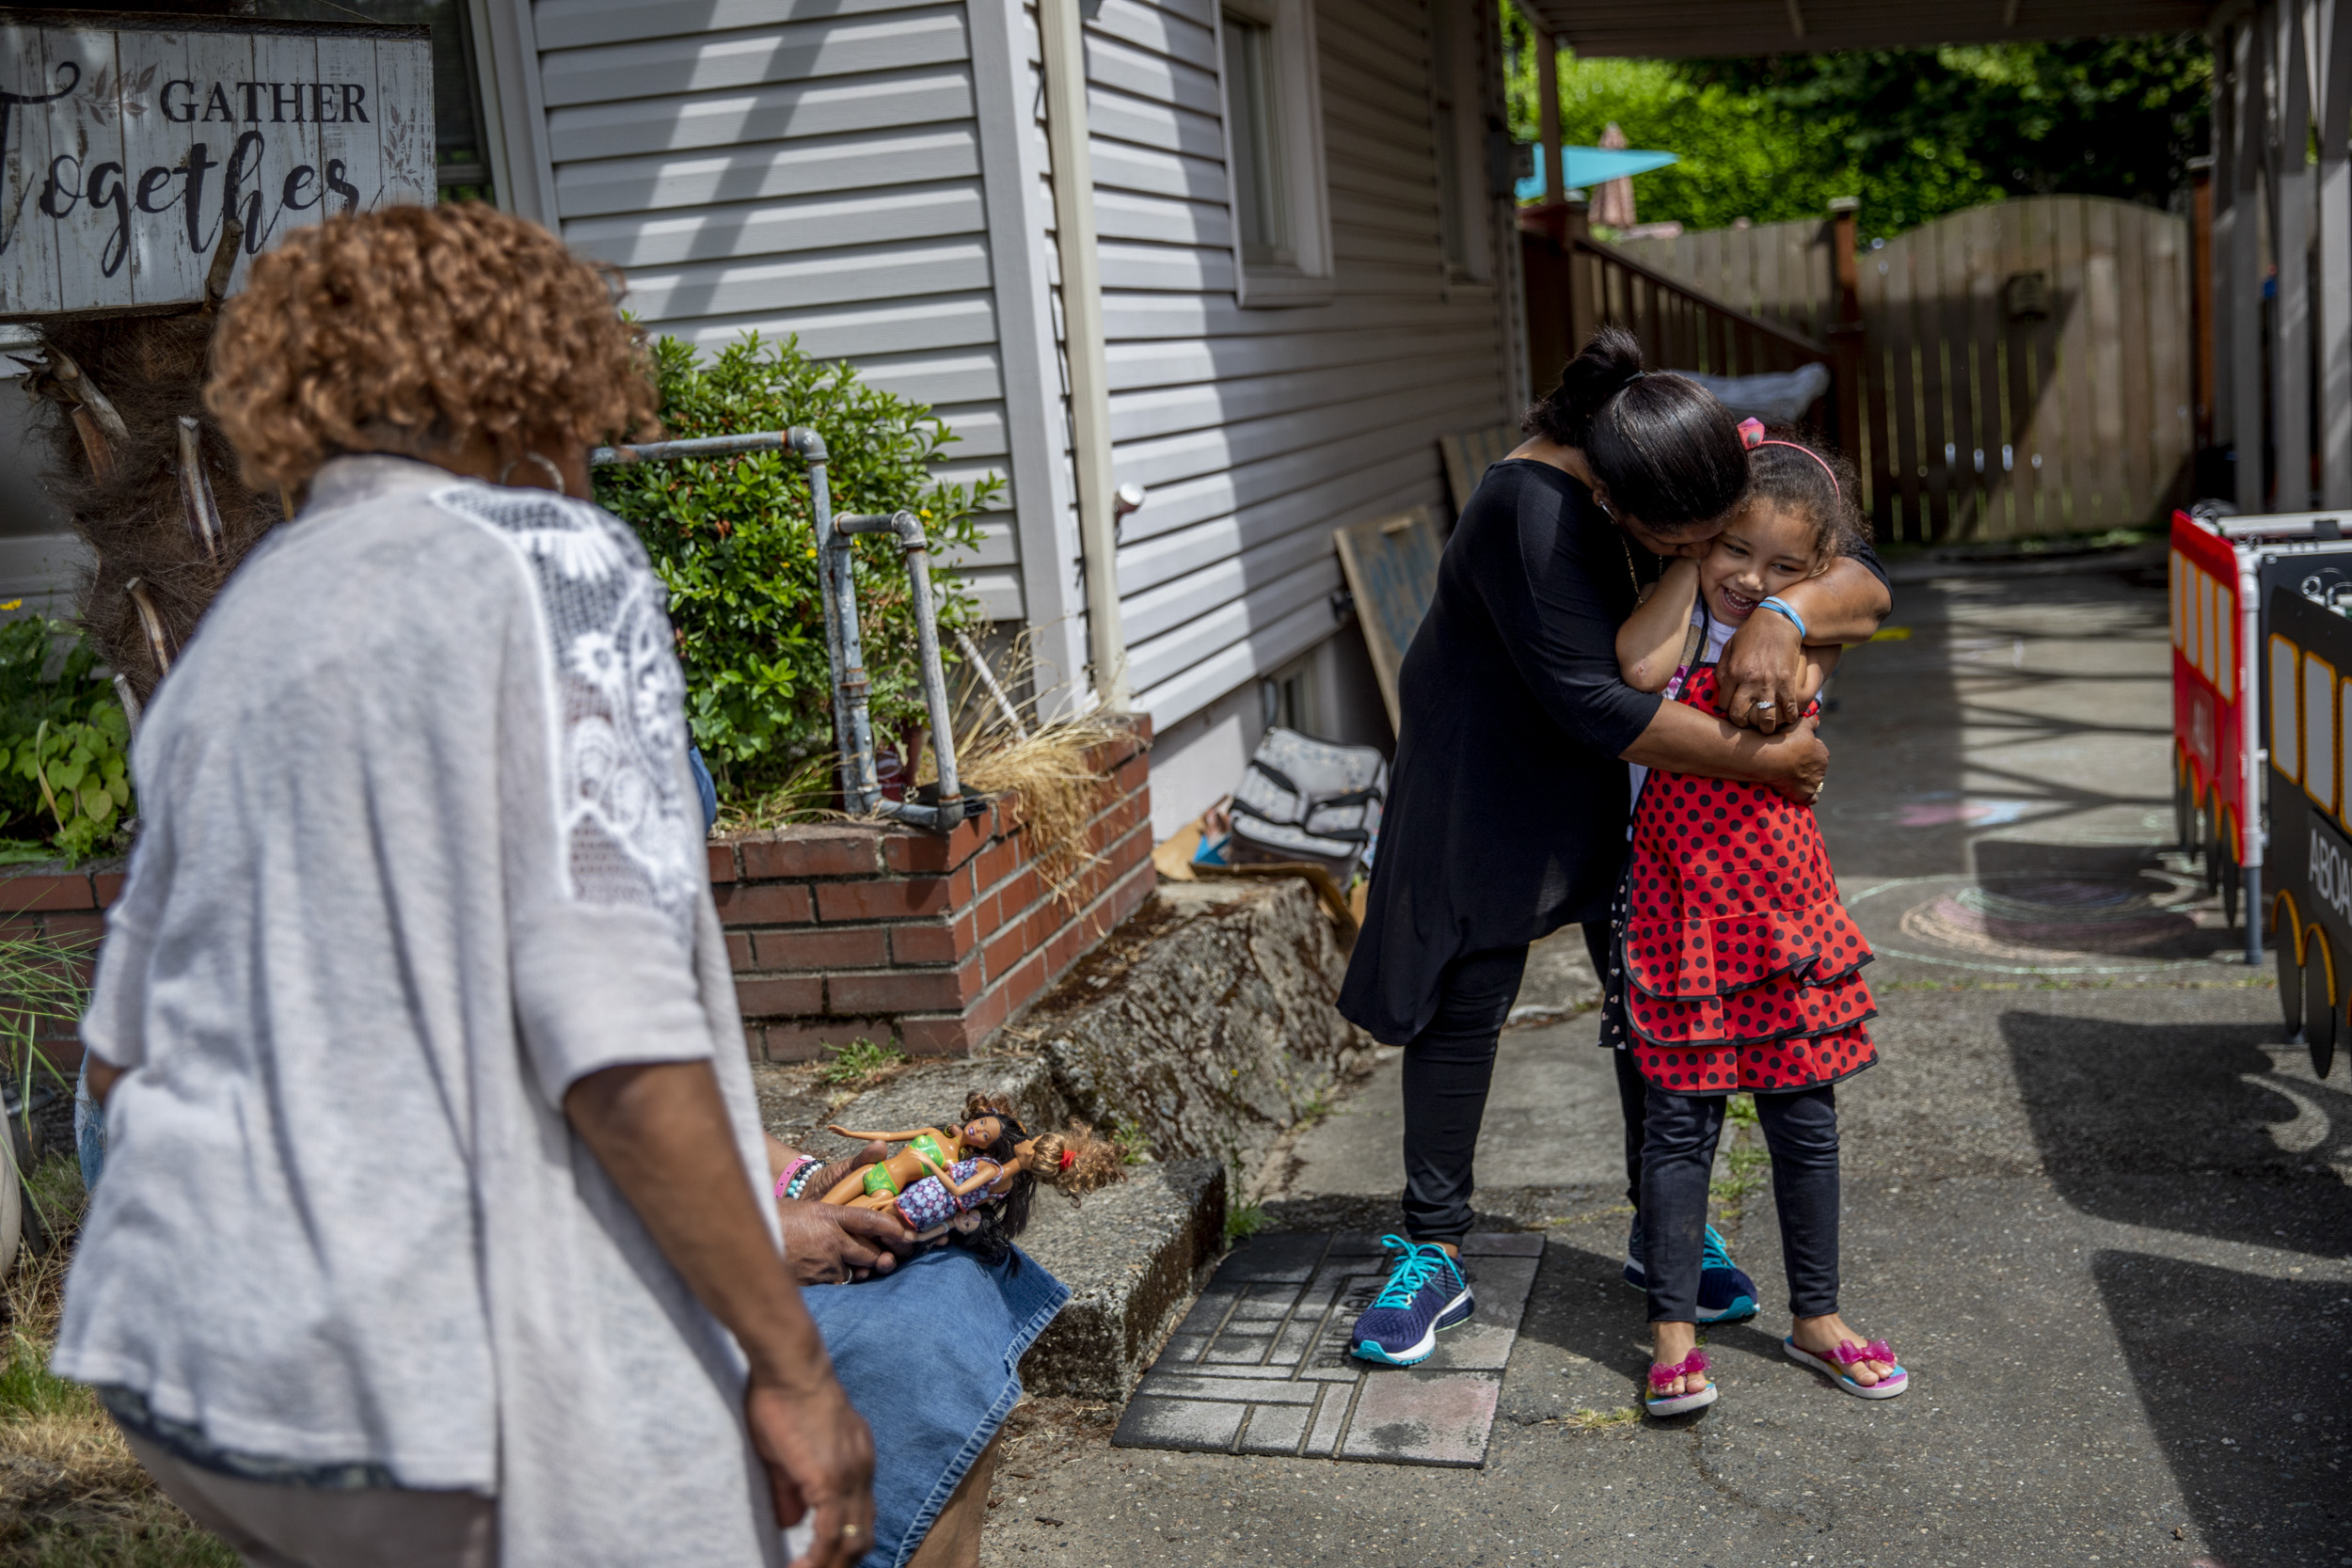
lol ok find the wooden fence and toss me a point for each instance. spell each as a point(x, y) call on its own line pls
point(2025, 367)
point(1576, 284)
point(1778, 271)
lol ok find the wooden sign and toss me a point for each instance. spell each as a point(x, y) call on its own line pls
point(1392, 567)
point(126, 140)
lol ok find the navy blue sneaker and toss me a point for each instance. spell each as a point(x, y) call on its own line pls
point(1426, 1293)
point(1727, 1294)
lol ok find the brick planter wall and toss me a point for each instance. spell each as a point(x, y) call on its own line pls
point(838, 932)
point(69, 906)
point(925, 941)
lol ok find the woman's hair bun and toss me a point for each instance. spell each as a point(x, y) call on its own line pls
point(1669, 454)
point(1603, 368)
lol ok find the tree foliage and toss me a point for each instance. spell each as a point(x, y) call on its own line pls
point(734, 539)
point(1913, 132)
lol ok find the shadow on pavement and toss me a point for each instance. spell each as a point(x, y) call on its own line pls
point(2240, 1378)
point(2115, 1103)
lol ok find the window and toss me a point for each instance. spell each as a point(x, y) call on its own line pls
point(1289, 696)
point(1260, 211)
point(1274, 152)
point(457, 116)
point(1455, 122)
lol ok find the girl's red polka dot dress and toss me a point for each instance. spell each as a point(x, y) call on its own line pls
point(1743, 969)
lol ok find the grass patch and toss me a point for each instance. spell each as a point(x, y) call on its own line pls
point(861, 1064)
point(1600, 1420)
point(71, 1495)
point(1317, 1107)
point(1243, 1221)
point(1748, 1175)
point(1741, 1110)
point(1135, 1149)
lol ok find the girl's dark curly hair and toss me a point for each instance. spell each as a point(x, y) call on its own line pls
point(1814, 483)
point(412, 328)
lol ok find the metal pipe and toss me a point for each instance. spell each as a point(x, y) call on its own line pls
point(840, 656)
point(1063, 37)
point(916, 549)
point(706, 445)
point(853, 722)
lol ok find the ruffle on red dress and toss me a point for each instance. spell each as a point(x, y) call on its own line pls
point(1743, 969)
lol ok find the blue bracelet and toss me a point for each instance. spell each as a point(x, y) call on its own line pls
point(1776, 602)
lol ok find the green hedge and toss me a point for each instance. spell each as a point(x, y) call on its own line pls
point(733, 538)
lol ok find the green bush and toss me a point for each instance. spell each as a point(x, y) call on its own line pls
point(64, 784)
point(733, 538)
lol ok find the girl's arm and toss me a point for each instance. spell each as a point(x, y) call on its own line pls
point(1649, 644)
point(1767, 657)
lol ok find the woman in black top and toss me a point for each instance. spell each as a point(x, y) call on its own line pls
point(1507, 805)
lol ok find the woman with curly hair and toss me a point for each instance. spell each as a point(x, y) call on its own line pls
point(430, 1232)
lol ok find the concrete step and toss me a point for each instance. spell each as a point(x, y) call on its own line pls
point(1205, 1025)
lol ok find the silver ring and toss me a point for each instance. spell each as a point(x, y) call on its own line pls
point(1763, 708)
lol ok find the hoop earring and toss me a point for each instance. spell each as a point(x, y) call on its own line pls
point(552, 471)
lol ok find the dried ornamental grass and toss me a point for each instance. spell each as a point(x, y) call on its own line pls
point(70, 1491)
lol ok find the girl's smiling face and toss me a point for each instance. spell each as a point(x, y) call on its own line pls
point(1766, 550)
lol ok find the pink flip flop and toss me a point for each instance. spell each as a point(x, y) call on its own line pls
point(1675, 1404)
point(1835, 1363)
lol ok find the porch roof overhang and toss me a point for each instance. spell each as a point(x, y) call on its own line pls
point(1683, 29)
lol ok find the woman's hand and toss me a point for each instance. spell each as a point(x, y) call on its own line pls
point(1797, 762)
point(1762, 681)
point(831, 1243)
point(820, 1462)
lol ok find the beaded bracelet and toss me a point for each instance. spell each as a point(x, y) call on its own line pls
point(796, 1176)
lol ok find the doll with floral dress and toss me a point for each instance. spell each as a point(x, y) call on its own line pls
point(1734, 967)
point(974, 1185)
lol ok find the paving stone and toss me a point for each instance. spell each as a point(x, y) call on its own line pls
point(1261, 1363)
point(1423, 1418)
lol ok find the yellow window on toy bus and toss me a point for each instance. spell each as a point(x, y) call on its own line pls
point(2209, 627)
point(2319, 731)
point(2225, 642)
point(2198, 619)
point(2179, 588)
point(2286, 711)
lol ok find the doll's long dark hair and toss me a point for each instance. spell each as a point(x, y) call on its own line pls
point(1078, 1161)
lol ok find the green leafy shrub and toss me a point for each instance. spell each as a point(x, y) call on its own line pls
point(65, 782)
point(734, 539)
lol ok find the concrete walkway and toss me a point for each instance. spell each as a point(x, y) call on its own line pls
point(2102, 1211)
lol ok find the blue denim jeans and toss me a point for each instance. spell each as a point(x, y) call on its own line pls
point(931, 1356)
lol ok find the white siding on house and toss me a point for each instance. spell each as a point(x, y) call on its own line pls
point(796, 166)
point(1259, 431)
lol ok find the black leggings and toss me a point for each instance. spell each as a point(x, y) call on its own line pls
point(1801, 1129)
point(1448, 1069)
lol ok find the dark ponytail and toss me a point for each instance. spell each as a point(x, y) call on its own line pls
point(1668, 451)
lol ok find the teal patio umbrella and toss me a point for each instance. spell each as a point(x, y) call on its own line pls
point(1588, 167)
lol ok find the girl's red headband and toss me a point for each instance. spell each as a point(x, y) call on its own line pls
point(1068, 1158)
point(1752, 437)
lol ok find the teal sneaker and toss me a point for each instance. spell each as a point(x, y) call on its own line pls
point(1727, 1294)
point(1426, 1291)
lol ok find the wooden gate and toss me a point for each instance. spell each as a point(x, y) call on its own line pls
point(2024, 365)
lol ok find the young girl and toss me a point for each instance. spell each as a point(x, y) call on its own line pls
point(1736, 969)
